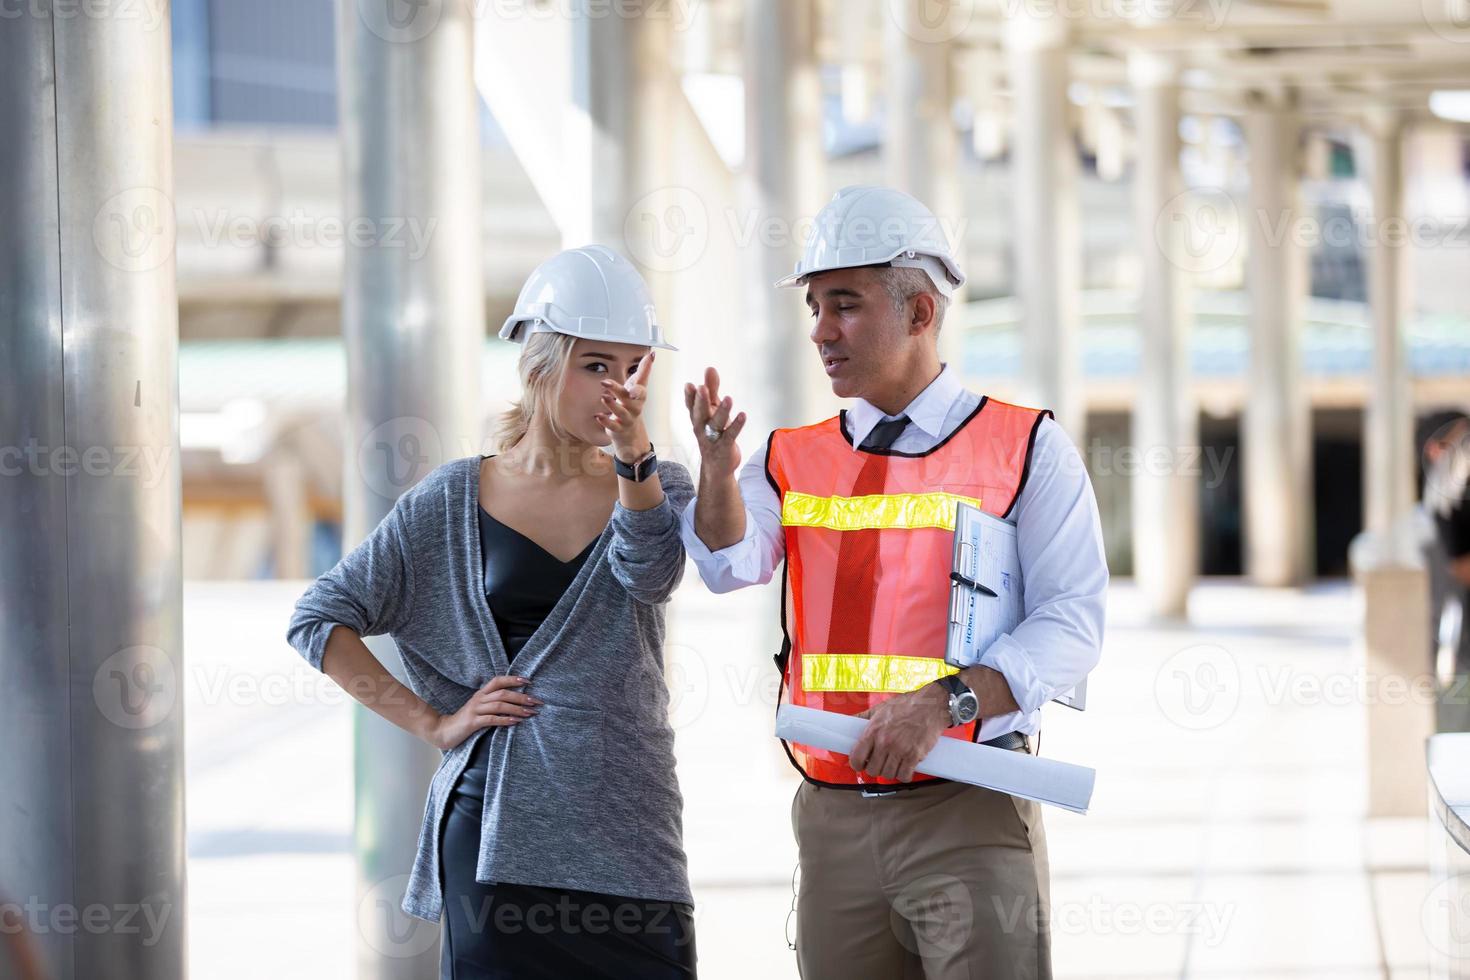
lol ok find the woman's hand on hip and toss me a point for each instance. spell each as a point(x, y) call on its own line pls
point(498, 704)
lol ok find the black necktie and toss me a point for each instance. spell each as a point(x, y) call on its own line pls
point(885, 434)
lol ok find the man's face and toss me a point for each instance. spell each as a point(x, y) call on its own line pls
point(862, 339)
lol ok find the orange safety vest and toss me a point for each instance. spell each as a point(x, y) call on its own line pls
point(813, 470)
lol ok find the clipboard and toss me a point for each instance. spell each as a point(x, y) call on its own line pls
point(987, 592)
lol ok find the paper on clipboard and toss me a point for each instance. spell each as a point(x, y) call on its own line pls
point(987, 594)
point(1006, 770)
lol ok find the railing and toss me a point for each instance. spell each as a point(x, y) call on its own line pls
point(1445, 914)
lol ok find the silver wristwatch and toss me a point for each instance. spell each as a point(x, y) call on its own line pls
point(964, 707)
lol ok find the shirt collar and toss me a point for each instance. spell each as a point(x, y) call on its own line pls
point(927, 411)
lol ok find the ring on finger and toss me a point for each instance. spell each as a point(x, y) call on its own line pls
point(711, 433)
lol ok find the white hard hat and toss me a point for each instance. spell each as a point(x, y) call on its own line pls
point(865, 225)
point(591, 292)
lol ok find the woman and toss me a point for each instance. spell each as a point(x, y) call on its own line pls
point(526, 593)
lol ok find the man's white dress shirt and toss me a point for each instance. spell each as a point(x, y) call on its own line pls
point(1058, 540)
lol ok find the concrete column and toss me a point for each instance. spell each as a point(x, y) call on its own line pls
point(413, 327)
point(1388, 471)
point(91, 710)
point(601, 124)
point(920, 145)
point(1165, 419)
point(286, 492)
point(783, 154)
point(1276, 434)
point(1395, 636)
point(1048, 258)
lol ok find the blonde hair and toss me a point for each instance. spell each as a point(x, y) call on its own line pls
point(543, 369)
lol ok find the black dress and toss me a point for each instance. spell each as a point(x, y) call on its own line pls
point(504, 930)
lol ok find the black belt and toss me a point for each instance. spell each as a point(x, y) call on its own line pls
point(1010, 740)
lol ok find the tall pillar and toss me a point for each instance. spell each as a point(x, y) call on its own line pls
point(920, 145)
point(91, 710)
point(1276, 434)
point(601, 124)
point(783, 154)
point(414, 326)
point(1388, 472)
point(1165, 420)
point(1048, 257)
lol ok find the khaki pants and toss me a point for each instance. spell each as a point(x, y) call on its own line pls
point(944, 882)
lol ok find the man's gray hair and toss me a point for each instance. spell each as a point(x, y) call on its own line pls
point(903, 284)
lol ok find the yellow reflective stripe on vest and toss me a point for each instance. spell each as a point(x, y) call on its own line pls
point(878, 511)
point(869, 672)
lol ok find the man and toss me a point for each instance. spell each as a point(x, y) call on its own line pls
point(1446, 499)
point(903, 874)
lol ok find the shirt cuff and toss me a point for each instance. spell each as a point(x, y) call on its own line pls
point(700, 552)
point(1014, 664)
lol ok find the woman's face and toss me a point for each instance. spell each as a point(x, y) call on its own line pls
point(591, 362)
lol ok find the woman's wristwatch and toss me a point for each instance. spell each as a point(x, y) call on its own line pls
point(639, 471)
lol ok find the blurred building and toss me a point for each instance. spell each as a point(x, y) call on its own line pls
point(260, 237)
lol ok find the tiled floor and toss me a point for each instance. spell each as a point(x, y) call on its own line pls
point(1227, 836)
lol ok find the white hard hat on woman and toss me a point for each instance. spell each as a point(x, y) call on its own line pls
point(590, 292)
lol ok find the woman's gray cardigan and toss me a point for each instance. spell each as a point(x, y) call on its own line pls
point(582, 796)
